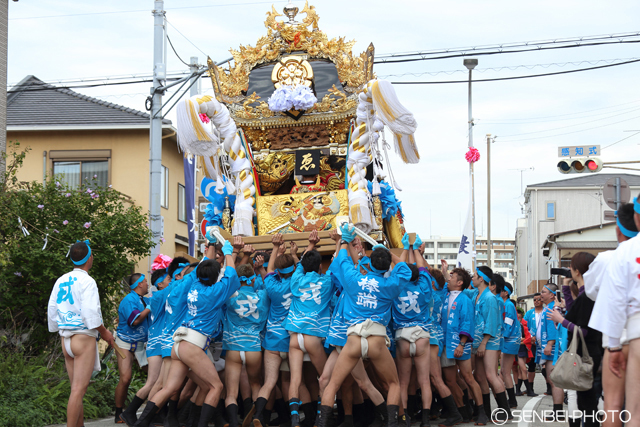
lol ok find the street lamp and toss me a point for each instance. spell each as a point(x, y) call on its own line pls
point(471, 64)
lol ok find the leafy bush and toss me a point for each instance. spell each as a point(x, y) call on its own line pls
point(117, 229)
point(34, 390)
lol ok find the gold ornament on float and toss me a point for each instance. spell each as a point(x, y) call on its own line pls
point(292, 71)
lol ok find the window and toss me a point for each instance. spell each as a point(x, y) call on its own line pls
point(428, 256)
point(448, 245)
point(448, 256)
point(78, 168)
point(551, 210)
point(428, 245)
point(164, 187)
point(182, 203)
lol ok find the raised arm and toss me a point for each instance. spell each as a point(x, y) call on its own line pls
point(293, 250)
point(276, 241)
point(405, 257)
point(238, 244)
point(259, 261)
point(445, 269)
point(333, 234)
point(313, 241)
point(247, 251)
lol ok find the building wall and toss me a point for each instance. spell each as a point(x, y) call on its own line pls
point(575, 207)
point(502, 253)
point(129, 169)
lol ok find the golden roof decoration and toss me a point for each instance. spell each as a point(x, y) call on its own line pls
point(282, 39)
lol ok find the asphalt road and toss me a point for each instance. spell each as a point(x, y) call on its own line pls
point(537, 404)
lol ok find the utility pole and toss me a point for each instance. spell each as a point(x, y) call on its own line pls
point(489, 246)
point(471, 64)
point(155, 134)
point(195, 89)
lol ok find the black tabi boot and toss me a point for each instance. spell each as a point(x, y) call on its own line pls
point(548, 392)
point(248, 410)
point(412, 406)
point(207, 413)
point(482, 419)
point(325, 418)
point(159, 419)
point(503, 403)
point(436, 406)
point(560, 415)
point(392, 414)
point(310, 415)
point(486, 403)
point(258, 419)
point(232, 415)
point(519, 388)
point(172, 414)
point(381, 418)
point(118, 413)
point(128, 416)
point(454, 415)
point(340, 412)
point(574, 422)
point(316, 410)
point(266, 416)
point(183, 413)
point(294, 405)
point(369, 413)
point(347, 422)
point(465, 396)
point(194, 416)
point(147, 415)
point(474, 412)
point(513, 402)
point(425, 418)
point(529, 387)
point(219, 419)
point(464, 412)
point(358, 415)
point(282, 409)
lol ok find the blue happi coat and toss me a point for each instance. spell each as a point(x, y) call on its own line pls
point(459, 321)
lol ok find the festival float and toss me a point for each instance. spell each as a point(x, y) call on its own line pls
point(292, 140)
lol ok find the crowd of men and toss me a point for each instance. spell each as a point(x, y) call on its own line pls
point(269, 338)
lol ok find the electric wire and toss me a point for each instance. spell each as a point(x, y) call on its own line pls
point(569, 133)
point(186, 38)
point(509, 67)
point(141, 10)
point(572, 40)
point(519, 77)
point(174, 51)
point(569, 126)
point(623, 139)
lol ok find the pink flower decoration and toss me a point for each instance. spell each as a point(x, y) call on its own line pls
point(94, 196)
point(162, 238)
point(65, 222)
point(161, 261)
point(204, 118)
point(40, 206)
point(473, 155)
point(68, 195)
point(87, 224)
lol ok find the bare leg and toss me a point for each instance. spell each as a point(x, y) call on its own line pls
point(383, 364)
point(124, 368)
point(557, 393)
point(422, 360)
point(507, 363)
point(632, 379)
point(403, 362)
point(613, 390)
point(272, 361)
point(153, 373)
point(474, 388)
point(233, 367)
point(435, 373)
point(79, 369)
point(347, 360)
point(328, 369)
point(451, 377)
point(480, 374)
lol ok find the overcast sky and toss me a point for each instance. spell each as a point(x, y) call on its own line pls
point(531, 117)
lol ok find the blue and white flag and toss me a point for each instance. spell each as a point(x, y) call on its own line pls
point(189, 189)
point(466, 249)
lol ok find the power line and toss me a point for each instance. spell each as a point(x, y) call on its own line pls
point(569, 133)
point(140, 10)
point(186, 38)
point(474, 53)
point(174, 51)
point(577, 41)
point(573, 125)
point(555, 116)
point(510, 67)
point(610, 145)
point(519, 77)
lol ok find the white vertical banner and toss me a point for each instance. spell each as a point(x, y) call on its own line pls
point(466, 249)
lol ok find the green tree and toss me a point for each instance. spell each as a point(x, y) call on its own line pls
point(118, 231)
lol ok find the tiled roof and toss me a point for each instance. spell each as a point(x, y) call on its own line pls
point(35, 103)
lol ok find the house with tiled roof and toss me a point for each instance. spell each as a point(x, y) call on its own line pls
point(80, 136)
